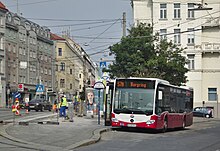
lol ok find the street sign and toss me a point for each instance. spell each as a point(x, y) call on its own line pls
point(102, 64)
point(99, 85)
point(21, 87)
point(39, 88)
point(17, 95)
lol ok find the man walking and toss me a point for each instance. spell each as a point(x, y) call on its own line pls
point(63, 106)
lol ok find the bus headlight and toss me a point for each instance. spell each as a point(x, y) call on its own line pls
point(150, 122)
point(114, 120)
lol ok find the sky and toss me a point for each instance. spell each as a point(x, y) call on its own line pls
point(93, 24)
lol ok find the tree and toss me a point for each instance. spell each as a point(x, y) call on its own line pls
point(142, 54)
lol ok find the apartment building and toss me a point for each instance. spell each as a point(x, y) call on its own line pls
point(74, 68)
point(29, 58)
point(195, 26)
point(3, 87)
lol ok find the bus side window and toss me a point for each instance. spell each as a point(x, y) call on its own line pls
point(159, 103)
point(160, 95)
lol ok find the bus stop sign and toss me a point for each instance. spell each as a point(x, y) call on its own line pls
point(99, 85)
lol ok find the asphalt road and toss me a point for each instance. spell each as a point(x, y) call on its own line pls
point(204, 136)
point(8, 145)
point(7, 114)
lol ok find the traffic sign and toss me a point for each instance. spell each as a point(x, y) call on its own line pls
point(99, 85)
point(102, 64)
point(17, 95)
point(21, 87)
point(39, 88)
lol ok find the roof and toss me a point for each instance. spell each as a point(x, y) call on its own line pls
point(2, 6)
point(55, 37)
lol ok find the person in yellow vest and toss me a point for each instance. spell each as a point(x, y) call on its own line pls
point(63, 106)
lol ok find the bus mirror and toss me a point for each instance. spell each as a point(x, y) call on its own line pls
point(107, 90)
point(160, 95)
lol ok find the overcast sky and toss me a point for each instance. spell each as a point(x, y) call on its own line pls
point(94, 24)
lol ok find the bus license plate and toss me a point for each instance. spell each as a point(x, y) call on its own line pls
point(131, 125)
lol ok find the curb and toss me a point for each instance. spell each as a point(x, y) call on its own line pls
point(95, 138)
point(26, 144)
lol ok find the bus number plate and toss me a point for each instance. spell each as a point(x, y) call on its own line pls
point(131, 125)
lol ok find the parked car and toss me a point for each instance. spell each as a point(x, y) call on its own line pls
point(203, 112)
point(39, 104)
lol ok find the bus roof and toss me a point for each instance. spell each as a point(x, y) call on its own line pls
point(154, 79)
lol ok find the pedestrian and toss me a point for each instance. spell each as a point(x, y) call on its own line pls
point(71, 111)
point(63, 106)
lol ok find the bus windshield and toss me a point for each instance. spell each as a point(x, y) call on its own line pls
point(133, 101)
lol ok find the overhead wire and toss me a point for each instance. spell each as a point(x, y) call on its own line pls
point(32, 3)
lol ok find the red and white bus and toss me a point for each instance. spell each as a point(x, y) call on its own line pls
point(151, 103)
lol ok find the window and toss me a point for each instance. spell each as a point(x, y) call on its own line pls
point(177, 36)
point(191, 61)
point(45, 70)
point(176, 10)
point(56, 67)
point(62, 66)
point(212, 94)
point(191, 36)
point(14, 49)
point(190, 11)
point(163, 11)
point(9, 47)
point(71, 85)
point(71, 71)
point(163, 33)
point(1, 43)
point(49, 72)
point(49, 84)
point(62, 83)
point(59, 51)
point(20, 50)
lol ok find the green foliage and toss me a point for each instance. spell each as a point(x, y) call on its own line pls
point(141, 54)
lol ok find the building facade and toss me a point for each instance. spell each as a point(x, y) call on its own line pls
point(29, 58)
point(74, 68)
point(3, 86)
point(194, 26)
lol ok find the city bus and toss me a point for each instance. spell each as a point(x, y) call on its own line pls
point(151, 103)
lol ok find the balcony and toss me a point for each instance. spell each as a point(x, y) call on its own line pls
point(211, 22)
point(211, 47)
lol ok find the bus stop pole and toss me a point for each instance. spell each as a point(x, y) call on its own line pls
point(98, 106)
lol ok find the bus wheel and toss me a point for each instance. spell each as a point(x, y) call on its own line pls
point(165, 125)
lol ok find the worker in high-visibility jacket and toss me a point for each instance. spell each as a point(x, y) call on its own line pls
point(63, 107)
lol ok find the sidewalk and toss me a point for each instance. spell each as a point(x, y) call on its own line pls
point(65, 136)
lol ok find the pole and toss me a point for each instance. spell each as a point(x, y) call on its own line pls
point(58, 107)
point(13, 118)
point(124, 24)
point(217, 105)
point(99, 107)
